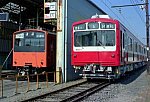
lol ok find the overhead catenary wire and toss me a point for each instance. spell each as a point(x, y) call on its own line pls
point(130, 27)
point(112, 11)
point(123, 17)
point(137, 11)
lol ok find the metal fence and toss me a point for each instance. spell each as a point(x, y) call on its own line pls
point(22, 84)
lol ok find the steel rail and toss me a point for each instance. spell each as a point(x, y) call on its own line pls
point(50, 93)
point(86, 93)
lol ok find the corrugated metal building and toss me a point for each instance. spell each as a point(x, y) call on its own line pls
point(6, 32)
point(74, 10)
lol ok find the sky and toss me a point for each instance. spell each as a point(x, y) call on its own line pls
point(131, 17)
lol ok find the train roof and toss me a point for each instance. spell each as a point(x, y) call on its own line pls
point(96, 19)
point(24, 30)
point(40, 30)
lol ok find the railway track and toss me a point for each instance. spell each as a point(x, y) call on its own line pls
point(70, 94)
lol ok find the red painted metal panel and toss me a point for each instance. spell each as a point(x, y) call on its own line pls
point(104, 58)
point(36, 59)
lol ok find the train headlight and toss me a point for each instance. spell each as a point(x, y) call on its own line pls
point(41, 63)
point(101, 68)
point(76, 67)
point(113, 55)
point(117, 71)
point(15, 62)
point(109, 69)
point(75, 55)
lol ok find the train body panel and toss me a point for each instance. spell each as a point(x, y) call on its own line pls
point(102, 58)
point(34, 49)
point(104, 48)
point(36, 60)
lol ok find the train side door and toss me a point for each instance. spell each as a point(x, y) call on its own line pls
point(122, 47)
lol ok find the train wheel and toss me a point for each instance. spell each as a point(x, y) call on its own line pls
point(113, 80)
point(89, 79)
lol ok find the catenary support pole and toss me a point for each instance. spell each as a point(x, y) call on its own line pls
point(147, 36)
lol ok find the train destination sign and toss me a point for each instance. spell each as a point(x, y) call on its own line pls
point(93, 25)
point(30, 35)
point(107, 26)
point(80, 27)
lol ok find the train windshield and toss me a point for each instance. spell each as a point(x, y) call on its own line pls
point(29, 42)
point(94, 38)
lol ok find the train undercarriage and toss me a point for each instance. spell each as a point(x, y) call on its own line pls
point(26, 70)
point(95, 71)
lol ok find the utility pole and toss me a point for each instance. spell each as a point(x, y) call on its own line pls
point(147, 35)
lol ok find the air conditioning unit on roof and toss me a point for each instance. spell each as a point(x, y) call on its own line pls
point(100, 16)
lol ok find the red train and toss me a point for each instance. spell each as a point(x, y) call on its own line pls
point(34, 50)
point(104, 48)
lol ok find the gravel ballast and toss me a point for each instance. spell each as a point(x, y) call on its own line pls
point(132, 88)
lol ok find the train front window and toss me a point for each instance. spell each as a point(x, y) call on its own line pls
point(94, 38)
point(18, 42)
point(34, 42)
point(29, 42)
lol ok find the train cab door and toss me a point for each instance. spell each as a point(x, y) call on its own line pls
point(51, 51)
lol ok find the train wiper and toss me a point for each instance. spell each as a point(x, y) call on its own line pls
point(100, 43)
point(28, 45)
point(78, 43)
point(39, 43)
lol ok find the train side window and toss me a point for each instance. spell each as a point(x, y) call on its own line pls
point(131, 44)
point(123, 40)
point(140, 48)
point(144, 51)
point(136, 47)
point(128, 43)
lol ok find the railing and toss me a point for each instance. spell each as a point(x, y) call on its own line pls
point(23, 84)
